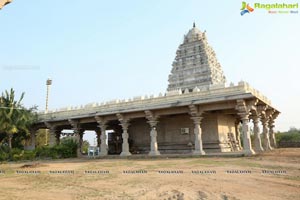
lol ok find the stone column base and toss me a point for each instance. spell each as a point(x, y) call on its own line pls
point(248, 152)
point(198, 152)
point(29, 147)
point(103, 153)
point(79, 154)
point(273, 144)
point(125, 153)
point(52, 139)
point(258, 150)
point(154, 153)
point(268, 148)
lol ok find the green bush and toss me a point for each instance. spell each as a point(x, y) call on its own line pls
point(67, 149)
point(46, 153)
point(16, 157)
point(4, 152)
point(4, 148)
point(16, 154)
point(4, 156)
point(16, 151)
point(288, 137)
point(29, 155)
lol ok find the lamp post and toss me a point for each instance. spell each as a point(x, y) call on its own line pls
point(48, 84)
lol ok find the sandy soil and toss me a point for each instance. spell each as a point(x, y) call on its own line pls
point(215, 184)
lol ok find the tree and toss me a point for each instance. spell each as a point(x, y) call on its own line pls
point(40, 140)
point(293, 129)
point(14, 118)
point(85, 146)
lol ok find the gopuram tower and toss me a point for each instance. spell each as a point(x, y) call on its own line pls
point(195, 64)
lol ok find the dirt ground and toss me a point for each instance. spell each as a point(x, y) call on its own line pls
point(166, 178)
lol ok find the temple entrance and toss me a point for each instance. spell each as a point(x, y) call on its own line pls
point(114, 142)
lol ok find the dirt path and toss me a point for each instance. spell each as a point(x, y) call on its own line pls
point(184, 178)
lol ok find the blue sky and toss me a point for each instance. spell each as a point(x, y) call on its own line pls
point(102, 50)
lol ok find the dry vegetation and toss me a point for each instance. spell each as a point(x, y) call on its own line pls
point(117, 185)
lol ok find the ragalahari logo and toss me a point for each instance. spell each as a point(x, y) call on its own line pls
point(246, 8)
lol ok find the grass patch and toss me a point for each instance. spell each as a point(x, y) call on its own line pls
point(293, 178)
point(208, 162)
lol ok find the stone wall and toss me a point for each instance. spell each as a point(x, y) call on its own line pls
point(139, 136)
point(226, 125)
point(171, 139)
point(215, 127)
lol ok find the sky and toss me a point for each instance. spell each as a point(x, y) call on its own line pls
point(97, 50)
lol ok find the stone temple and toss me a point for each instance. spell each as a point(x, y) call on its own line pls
point(198, 114)
point(195, 64)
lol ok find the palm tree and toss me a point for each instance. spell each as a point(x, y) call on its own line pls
point(14, 118)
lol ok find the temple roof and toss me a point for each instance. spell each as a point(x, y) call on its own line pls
point(193, 33)
point(170, 100)
point(195, 64)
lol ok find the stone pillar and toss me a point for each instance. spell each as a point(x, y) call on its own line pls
point(80, 140)
point(271, 128)
point(196, 113)
point(124, 122)
point(246, 136)
point(153, 134)
point(102, 133)
point(125, 145)
point(244, 112)
point(103, 144)
point(238, 134)
point(257, 141)
point(30, 143)
point(50, 133)
point(52, 139)
point(152, 121)
point(98, 133)
point(78, 131)
point(78, 134)
point(266, 140)
point(57, 137)
point(272, 134)
point(198, 136)
point(33, 137)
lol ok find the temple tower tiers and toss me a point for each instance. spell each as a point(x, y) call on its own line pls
point(195, 64)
